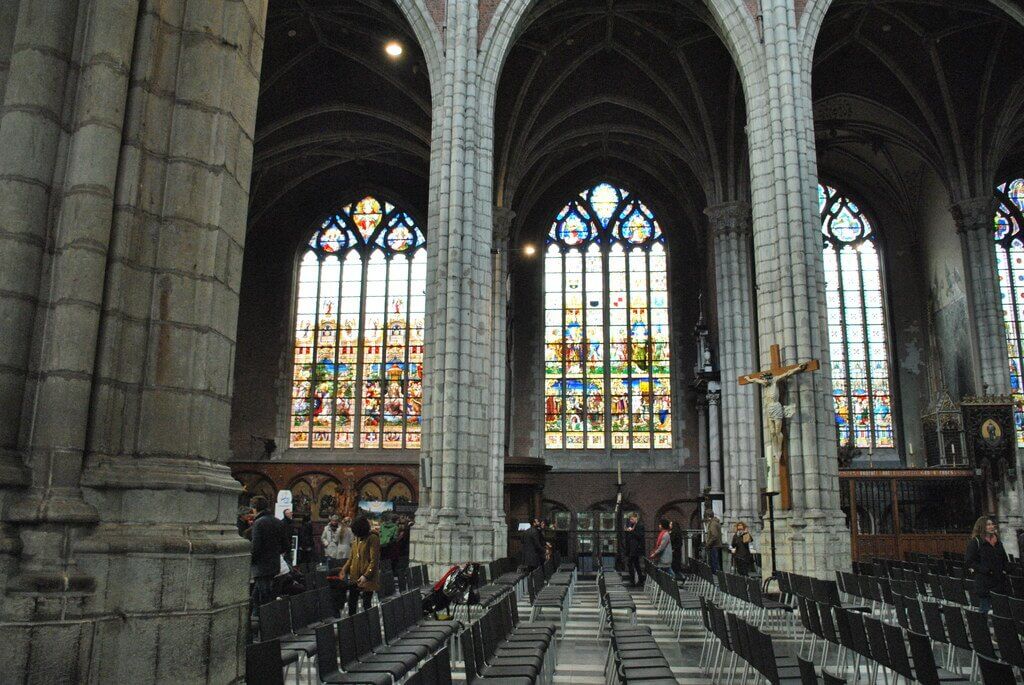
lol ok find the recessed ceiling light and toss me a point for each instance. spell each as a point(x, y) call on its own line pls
point(394, 49)
point(291, 33)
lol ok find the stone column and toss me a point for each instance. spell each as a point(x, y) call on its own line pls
point(129, 552)
point(975, 219)
point(702, 441)
point(499, 369)
point(812, 537)
point(714, 397)
point(730, 230)
point(455, 519)
point(36, 43)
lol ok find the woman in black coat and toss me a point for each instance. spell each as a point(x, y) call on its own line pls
point(986, 557)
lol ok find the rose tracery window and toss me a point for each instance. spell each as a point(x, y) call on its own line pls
point(358, 364)
point(606, 359)
point(858, 339)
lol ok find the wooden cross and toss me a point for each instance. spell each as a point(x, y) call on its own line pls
point(776, 412)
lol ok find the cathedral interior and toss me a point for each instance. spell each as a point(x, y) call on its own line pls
point(479, 262)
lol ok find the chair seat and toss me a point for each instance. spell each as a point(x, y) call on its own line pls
point(357, 679)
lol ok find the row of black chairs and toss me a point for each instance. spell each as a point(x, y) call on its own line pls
point(928, 575)
point(671, 599)
point(729, 636)
point(498, 648)
point(885, 646)
point(633, 654)
point(306, 626)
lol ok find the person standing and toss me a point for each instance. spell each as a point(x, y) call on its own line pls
point(742, 559)
point(713, 540)
point(987, 558)
point(363, 565)
point(634, 544)
point(676, 540)
point(662, 553)
point(533, 545)
point(344, 540)
point(268, 544)
point(330, 539)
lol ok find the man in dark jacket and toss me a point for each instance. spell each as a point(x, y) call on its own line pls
point(533, 546)
point(633, 540)
point(267, 547)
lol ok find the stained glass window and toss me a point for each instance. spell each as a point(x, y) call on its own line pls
point(358, 365)
point(1010, 262)
point(606, 358)
point(858, 339)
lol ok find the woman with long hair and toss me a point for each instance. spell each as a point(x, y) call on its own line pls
point(987, 559)
point(742, 559)
point(363, 565)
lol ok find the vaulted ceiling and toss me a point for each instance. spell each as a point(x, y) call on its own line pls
point(336, 113)
point(642, 92)
point(905, 85)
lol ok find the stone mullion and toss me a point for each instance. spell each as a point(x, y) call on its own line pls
point(71, 297)
point(975, 219)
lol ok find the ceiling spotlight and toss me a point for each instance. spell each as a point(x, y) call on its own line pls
point(292, 33)
point(394, 49)
point(529, 250)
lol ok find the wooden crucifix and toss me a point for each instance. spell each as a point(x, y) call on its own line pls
point(772, 382)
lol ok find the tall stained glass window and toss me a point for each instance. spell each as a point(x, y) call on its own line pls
point(1010, 262)
point(357, 379)
point(606, 358)
point(858, 340)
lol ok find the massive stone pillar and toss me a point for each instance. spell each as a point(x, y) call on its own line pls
point(730, 229)
point(714, 399)
point(455, 518)
point(129, 567)
point(975, 219)
point(811, 537)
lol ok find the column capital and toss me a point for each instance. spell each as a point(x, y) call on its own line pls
point(975, 214)
point(502, 219)
point(714, 397)
point(729, 217)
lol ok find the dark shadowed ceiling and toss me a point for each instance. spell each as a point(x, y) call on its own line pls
point(336, 114)
point(902, 84)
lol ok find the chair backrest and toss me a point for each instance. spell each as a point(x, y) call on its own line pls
point(389, 613)
point(263, 663)
point(274, 621)
point(346, 629)
point(925, 671)
point(326, 609)
point(858, 634)
point(478, 645)
point(914, 615)
point(1008, 639)
point(956, 629)
point(303, 610)
point(807, 674)
point(1000, 604)
point(326, 652)
point(899, 660)
point(468, 657)
point(995, 672)
point(1017, 609)
point(738, 637)
point(830, 679)
point(387, 584)
point(443, 667)
point(361, 628)
point(981, 636)
point(876, 638)
point(373, 623)
point(828, 626)
point(402, 578)
point(933, 621)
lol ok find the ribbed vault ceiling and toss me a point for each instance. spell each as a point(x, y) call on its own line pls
point(336, 114)
point(642, 92)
